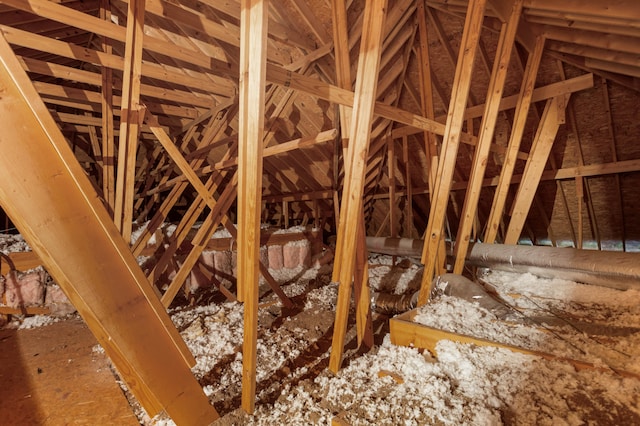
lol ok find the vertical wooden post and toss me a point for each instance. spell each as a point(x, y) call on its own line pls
point(426, 101)
point(391, 167)
point(451, 140)
point(552, 118)
point(285, 213)
point(343, 80)
point(409, 188)
point(351, 209)
point(517, 129)
point(580, 197)
point(364, 321)
point(108, 143)
point(129, 119)
point(485, 138)
point(253, 48)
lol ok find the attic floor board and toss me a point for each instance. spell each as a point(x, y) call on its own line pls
point(50, 376)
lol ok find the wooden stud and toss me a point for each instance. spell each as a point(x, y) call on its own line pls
point(552, 118)
point(584, 187)
point(426, 103)
point(614, 157)
point(129, 120)
point(364, 321)
point(351, 208)
point(253, 48)
point(485, 138)
point(391, 167)
point(408, 183)
point(580, 197)
point(108, 143)
point(520, 117)
point(453, 130)
point(543, 93)
point(344, 81)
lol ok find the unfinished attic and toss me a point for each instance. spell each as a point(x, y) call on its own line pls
point(338, 212)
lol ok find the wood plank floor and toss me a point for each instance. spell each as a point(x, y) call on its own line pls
point(50, 376)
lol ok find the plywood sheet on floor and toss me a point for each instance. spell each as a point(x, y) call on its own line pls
point(51, 376)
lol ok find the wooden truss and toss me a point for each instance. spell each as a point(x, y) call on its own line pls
point(191, 112)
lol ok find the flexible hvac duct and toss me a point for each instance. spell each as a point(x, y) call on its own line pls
point(619, 270)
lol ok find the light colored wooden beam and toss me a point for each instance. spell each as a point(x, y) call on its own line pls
point(426, 103)
point(391, 168)
point(344, 81)
point(552, 117)
point(108, 140)
point(362, 295)
point(573, 23)
point(129, 120)
point(623, 9)
point(86, 255)
point(200, 241)
point(614, 157)
point(485, 137)
point(517, 129)
point(406, 332)
point(543, 93)
point(253, 49)
point(602, 40)
point(624, 60)
point(109, 60)
point(451, 140)
point(351, 208)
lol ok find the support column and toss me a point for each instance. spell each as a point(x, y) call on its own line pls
point(517, 129)
point(485, 138)
point(552, 118)
point(451, 140)
point(351, 208)
point(129, 119)
point(253, 59)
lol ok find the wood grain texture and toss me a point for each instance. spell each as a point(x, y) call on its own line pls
point(451, 140)
point(253, 58)
point(70, 230)
point(351, 207)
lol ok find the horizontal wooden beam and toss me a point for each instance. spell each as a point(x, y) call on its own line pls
point(303, 196)
point(622, 9)
point(543, 93)
point(406, 332)
point(165, 73)
point(566, 173)
point(602, 40)
point(95, 79)
point(281, 148)
point(587, 51)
